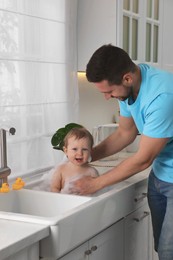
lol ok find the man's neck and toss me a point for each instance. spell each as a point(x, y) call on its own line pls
point(137, 83)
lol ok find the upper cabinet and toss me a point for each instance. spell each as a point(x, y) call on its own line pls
point(97, 22)
point(134, 25)
point(141, 23)
point(167, 52)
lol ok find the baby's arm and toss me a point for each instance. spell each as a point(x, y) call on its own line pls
point(56, 181)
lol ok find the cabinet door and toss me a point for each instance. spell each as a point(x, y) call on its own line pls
point(80, 253)
point(155, 255)
point(108, 244)
point(138, 235)
point(96, 26)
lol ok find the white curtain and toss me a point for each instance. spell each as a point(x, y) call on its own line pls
point(38, 80)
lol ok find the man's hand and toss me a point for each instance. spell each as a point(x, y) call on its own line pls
point(84, 186)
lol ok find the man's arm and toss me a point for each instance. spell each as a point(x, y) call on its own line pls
point(149, 148)
point(123, 136)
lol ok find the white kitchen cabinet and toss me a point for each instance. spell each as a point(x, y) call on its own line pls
point(97, 22)
point(167, 37)
point(77, 254)
point(155, 256)
point(28, 253)
point(128, 239)
point(138, 235)
point(135, 26)
point(106, 245)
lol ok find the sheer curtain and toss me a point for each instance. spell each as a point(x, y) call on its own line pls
point(38, 80)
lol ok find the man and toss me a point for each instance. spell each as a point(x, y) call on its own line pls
point(145, 96)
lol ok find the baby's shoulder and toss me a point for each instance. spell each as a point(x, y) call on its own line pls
point(60, 167)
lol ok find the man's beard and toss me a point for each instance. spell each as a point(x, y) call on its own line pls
point(130, 94)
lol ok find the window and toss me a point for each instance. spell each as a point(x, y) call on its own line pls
point(38, 90)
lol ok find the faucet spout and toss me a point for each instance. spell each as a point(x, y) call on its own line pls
point(4, 169)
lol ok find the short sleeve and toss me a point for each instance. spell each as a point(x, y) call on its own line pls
point(159, 117)
point(124, 111)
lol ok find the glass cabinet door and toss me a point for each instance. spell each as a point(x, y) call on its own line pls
point(140, 29)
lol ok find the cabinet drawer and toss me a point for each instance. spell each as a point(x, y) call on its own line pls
point(140, 194)
point(138, 235)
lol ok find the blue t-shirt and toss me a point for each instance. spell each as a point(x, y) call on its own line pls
point(152, 112)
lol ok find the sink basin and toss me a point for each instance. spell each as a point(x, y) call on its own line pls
point(72, 219)
point(38, 206)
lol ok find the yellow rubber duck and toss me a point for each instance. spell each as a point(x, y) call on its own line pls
point(18, 184)
point(5, 187)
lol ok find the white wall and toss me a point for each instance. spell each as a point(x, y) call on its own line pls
point(94, 109)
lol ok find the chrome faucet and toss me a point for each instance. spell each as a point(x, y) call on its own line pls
point(4, 169)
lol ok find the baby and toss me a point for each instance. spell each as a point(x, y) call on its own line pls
point(77, 147)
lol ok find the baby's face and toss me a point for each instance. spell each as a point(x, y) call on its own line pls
point(78, 150)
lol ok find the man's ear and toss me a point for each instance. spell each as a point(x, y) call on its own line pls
point(127, 79)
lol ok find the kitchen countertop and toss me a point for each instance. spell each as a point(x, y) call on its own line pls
point(16, 236)
point(105, 165)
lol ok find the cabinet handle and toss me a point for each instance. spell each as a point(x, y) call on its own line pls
point(143, 196)
point(93, 248)
point(88, 252)
point(146, 213)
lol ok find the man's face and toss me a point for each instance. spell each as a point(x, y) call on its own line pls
point(121, 92)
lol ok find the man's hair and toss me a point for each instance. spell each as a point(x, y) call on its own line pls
point(79, 133)
point(109, 63)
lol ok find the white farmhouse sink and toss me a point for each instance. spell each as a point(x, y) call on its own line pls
point(72, 219)
point(38, 206)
